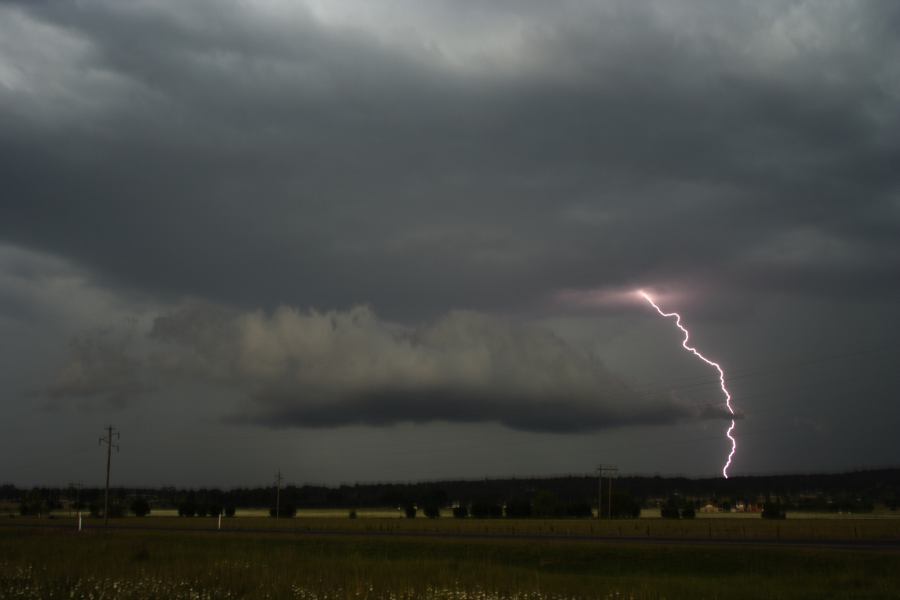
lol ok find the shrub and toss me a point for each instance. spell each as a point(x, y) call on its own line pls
point(461, 511)
point(187, 509)
point(688, 512)
point(229, 510)
point(410, 511)
point(352, 514)
point(670, 510)
point(773, 510)
point(432, 511)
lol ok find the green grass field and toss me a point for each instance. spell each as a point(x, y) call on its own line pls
point(48, 563)
point(826, 529)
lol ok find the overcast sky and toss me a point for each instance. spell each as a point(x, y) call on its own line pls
point(398, 240)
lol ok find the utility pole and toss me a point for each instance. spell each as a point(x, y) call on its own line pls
point(109, 439)
point(602, 470)
point(277, 494)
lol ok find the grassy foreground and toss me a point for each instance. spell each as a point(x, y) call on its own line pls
point(147, 564)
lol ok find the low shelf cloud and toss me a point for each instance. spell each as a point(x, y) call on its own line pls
point(298, 368)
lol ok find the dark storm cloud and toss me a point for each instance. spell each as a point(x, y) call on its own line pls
point(312, 369)
point(546, 414)
point(485, 157)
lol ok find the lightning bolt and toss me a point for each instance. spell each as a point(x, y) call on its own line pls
point(713, 364)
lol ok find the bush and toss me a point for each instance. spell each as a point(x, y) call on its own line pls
point(229, 510)
point(461, 511)
point(34, 504)
point(410, 511)
point(773, 510)
point(187, 509)
point(432, 511)
point(352, 514)
point(688, 512)
point(140, 507)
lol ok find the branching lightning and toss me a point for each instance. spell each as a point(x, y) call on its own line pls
point(692, 350)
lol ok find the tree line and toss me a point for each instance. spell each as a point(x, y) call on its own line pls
point(572, 496)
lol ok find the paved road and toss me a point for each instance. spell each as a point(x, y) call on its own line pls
point(881, 545)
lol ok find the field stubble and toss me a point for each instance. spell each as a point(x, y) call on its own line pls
point(40, 563)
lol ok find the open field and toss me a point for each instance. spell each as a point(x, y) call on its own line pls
point(826, 529)
point(146, 564)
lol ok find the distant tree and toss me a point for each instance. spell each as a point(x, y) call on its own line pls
point(187, 508)
point(410, 511)
point(434, 496)
point(140, 507)
point(486, 510)
point(285, 511)
point(214, 510)
point(579, 510)
point(34, 504)
point(518, 508)
point(624, 506)
point(461, 511)
point(670, 509)
point(391, 497)
point(545, 504)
